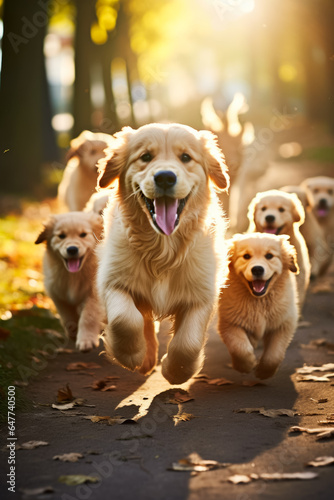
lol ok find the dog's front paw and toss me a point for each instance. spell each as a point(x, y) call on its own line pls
point(263, 370)
point(130, 360)
point(86, 343)
point(244, 364)
point(178, 374)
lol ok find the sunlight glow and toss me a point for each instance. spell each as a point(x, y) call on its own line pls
point(287, 72)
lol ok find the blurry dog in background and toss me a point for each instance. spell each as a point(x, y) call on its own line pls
point(163, 254)
point(318, 249)
point(69, 267)
point(259, 302)
point(80, 174)
point(277, 212)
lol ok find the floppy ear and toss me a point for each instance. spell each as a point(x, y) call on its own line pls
point(289, 254)
point(112, 164)
point(46, 234)
point(230, 247)
point(298, 212)
point(215, 161)
point(78, 144)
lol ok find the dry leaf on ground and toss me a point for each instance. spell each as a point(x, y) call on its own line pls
point(183, 417)
point(76, 479)
point(82, 366)
point(68, 457)
point(72, 404)
point(321, 462)
point(240, 479)
point(316, 343)
point(30, 445)
point(313, 378)
point(194, 463)
point(322, 433)
point(110, 420)
point(64, 350)
point(101, 384)
point(34, 492)
point(319, 401)
point(272, 413)
point(310, 369)
point(220, 381)
point(275, 476)
point(201, 376)
point(64, 394)
point(251, 383)
point(179, 397)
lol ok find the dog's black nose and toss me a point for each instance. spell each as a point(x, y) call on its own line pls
point(270, 218)
point(165, 179)
point(257, 271)
point(72, 251)
point(323, 203)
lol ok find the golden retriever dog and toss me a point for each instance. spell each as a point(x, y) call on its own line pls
point(163, 254)
point(277, 212)
point(98, 201)
point(318, 249)
point(259, 302)
point(80, 174)
point(320, 193)
point(69, 267)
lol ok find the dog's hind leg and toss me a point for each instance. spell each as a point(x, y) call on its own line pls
point(124, 336)
point(185, 355)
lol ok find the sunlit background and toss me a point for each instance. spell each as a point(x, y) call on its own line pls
point(111, 63)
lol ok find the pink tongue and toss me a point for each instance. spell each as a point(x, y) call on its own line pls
point(271, 230)
point(322, 212)
point(258, 285)
point(165, 211)
point(73, 265)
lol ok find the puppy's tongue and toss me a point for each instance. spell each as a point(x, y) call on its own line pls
point(73, 265)
point(258, 285)
point(165, 213)
point(271, 230)
point(322, 212)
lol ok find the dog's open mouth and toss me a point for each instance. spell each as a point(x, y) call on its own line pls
point(73, 265)
point(259, 287)
point(322, 211)
point(165, 212)
point(273, 230)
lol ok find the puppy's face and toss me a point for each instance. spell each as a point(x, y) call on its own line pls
point(259, 259)
point(166, 169)
point(89, 147)
point(320, 192)
point(72, 237)
point(275, 212)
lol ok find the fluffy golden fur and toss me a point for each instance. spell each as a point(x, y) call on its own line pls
point(320, 193)
point(319, 252)
point(259, 302)
point(163, 253)
point(80, 174)
point(277, 212)
point(98, 201)
point(69, 268)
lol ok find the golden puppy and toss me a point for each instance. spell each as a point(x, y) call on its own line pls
point(277, 212)
point(320, 193)
point(80, 174)
point(161, 254)
point(69, 273)
point(318, 249)
point(260, 301)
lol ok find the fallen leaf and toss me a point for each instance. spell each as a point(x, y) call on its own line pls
point(316, 343)
point(68, 457)
point(180, 397)
point(201, 376)
point(64, 394)
point(310, 369)
point(320, 401)
point(99, 385)
point(194, 463)
point(272, 413)
point(220, 381)
point(37, 491)
point(97, 418)
point(321, 462)
point(276, 476)
point(110, 420)
point(76, 479)
point(303, 324)
point(183, 417)
point(82, 366)
point(30, 445)
point(312, 378)
point(52, 333)
point(320, 431)
point(109, 388)
point(64, 350)
point(239, 479)
point(251, 383)
point(323, 287)
point(72, 404)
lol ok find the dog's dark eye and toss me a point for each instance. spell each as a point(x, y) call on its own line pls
point(185, 158)
point(247, 256)
point(263, 209)
point(330, 191)
point(269, 256)
point(83, 235)
point(281, 209)
point(146, 157)
point(62, 236)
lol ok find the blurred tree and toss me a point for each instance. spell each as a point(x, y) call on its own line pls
point(27, 139)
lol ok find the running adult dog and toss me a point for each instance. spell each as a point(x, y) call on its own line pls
point(277, 212)
point(163, 253)
point(69, 274)
point(259, 302)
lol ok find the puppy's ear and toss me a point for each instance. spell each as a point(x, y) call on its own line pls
point(78, 144)
point(46, 234)
point(289, 254)
point(230, 247)
point(215, 161)
point(112, 164)
point(298, 212)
